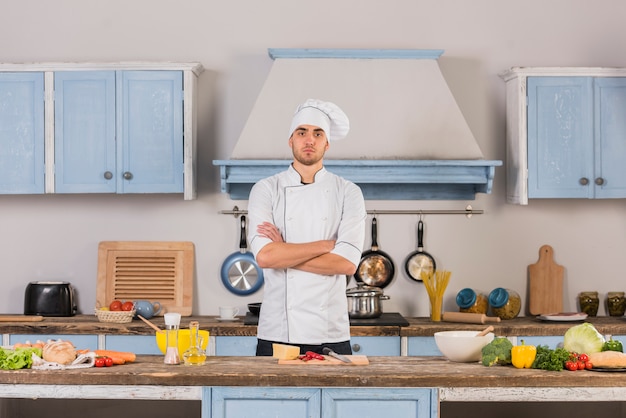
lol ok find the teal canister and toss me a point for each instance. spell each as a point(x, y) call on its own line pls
point(472, 301)
point(505, 303)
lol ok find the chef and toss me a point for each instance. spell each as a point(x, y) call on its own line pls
point(307, 228)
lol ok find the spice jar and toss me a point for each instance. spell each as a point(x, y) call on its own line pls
point(615, 303)
point(589, 303)
point(505, 303)
point(172, 323)
point(469, 300)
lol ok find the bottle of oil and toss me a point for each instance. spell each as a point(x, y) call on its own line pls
point(195, 355)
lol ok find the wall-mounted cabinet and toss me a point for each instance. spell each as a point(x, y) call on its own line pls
point(106, 128)
point(565, 133)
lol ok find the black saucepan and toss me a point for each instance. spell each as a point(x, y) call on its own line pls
point(376, 267)
point(240, 272)
point(419, 261)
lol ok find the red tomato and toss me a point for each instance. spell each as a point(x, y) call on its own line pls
point(116, 305)
point(581, 365)
point(127, 306)
point(99, 362)
point(108, 361)
point(588, 365)
point(583, 357)
point(570, 365)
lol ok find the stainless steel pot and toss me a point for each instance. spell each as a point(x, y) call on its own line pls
point(364, 301)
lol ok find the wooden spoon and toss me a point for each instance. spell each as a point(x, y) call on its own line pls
point(485, 331)
point(154, 327)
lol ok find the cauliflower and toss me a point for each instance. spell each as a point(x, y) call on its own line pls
point(497, 351)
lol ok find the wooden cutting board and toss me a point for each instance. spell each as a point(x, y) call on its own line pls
point(20, 318)
point(356, 361)
point(545, 284)
point(158, 271)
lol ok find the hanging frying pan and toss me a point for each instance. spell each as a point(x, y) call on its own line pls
point(240, 272)
point(419, 261)
point(375, 268)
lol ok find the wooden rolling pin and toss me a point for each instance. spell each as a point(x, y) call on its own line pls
point(469, 318)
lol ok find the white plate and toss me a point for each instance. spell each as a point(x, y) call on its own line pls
point(227, 319)
point(564, 316)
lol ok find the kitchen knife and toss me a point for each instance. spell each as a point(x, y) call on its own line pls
point(331, 353)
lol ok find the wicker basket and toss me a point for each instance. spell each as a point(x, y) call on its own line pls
point(119, 317)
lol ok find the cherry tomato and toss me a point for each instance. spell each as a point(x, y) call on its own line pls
point(116, 305)
point(580, 365)
point(588, 365)
point(99, 362)
point(127, 306)
point(108, 361)
point(583, 357)
point(570, 365)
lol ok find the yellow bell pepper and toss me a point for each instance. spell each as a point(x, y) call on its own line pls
point(523, 356)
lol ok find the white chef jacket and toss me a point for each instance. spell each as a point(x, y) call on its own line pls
point(300, 307)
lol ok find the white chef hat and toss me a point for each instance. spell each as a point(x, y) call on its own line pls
point(326, 115)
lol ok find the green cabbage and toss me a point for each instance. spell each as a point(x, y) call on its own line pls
point(583, 338)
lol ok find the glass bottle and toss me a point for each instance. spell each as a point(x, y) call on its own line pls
point(194, 355)
point(172, 323)
point(472, 301)
point(589, 302)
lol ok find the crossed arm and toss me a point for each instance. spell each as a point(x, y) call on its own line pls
point(312, 257)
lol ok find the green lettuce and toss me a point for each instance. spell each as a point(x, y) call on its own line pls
point(19, 358)
point(583, 338)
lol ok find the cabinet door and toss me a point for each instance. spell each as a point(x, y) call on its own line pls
point(150, 131)
point(610, 134)
point(560, 137)
point(246, 402)
point(22, 133)
point(84, 132)
point(379, 402)
point(376, 346)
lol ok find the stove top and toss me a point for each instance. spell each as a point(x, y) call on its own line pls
point(389, 319)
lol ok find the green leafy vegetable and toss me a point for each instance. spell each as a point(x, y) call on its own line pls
point(613, 345)
point(498, 351)
point(548, 359)
point(583, 338)
point(19, 358)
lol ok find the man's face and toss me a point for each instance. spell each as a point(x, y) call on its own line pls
point(308, 144)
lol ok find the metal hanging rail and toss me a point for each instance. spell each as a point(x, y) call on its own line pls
point(468, 211)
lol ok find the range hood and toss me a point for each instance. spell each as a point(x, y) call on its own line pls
point(408, 138)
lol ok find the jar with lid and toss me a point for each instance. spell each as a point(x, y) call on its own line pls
point(172, 323)
point(615, 303)
point(589, 302)
point(472, 301)
point(505, 303)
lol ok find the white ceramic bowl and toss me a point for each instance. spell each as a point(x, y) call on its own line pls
point(462, 346)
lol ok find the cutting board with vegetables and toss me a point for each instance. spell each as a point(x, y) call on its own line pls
point(545, 284)
point(357, 360)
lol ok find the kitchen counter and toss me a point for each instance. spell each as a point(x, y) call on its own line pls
point(89, 324)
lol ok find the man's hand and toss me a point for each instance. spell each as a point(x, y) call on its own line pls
point(270, 231)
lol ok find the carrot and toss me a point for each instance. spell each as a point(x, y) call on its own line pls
point(122, 356)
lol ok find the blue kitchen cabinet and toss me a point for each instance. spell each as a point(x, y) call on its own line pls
point(422, 346)
point(575, 137)
point(235, 346)
point(22, 141)
point(565, 130)
point(119, 132)
point(290, 402)
point(376, 346)
point(89, 341)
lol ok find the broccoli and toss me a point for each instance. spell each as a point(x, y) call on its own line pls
point(497, 351)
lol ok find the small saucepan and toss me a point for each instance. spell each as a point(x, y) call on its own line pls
point(419, 261)
point(240, 272)
point(375, 268)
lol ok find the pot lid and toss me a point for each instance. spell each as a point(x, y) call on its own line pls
point(364, 290)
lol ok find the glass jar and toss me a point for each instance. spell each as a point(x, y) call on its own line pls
point(589, 303)
point(615, 303)
point(505, 303)
point(472, 301)
point(194, 355)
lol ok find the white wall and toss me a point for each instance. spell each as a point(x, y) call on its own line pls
point(56, 237)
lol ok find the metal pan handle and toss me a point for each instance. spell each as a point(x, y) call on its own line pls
point(243, 245)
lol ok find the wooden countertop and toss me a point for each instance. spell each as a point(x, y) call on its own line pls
point(88, 324)
point(265, 371)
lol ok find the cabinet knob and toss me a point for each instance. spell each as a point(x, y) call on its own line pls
point(128, 175)
point(108, 175)
point(599, 181)
point(356, 348)
point(584, 181)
